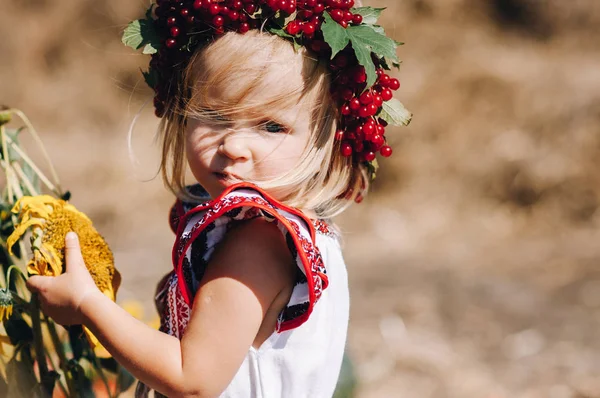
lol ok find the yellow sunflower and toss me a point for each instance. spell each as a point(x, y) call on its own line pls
point(50, 219)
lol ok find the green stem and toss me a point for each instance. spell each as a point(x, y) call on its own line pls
point(46, 381)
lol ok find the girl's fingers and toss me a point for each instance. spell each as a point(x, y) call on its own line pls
point(37, 283)
point(73, 257)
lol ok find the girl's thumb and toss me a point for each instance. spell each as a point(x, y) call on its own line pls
point(73, 256)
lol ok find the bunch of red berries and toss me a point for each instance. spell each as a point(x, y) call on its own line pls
point(185, 25)
point(361, 131)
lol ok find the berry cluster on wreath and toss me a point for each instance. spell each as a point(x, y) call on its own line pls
point(357, 49)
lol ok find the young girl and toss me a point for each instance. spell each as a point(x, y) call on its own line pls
point(279, 141)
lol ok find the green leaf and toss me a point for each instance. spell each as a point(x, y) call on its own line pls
point(282, 33)
point(379, 29)
point(363, 55)
point(395, 113)
point(334, 34)
point(379, 43)
point(279, 32)
point(151, 78)
point(369, 14)
point(149, 49)
point(365, 40)
point(132, 35)
point(141, 33)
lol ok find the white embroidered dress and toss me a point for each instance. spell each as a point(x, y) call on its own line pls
point(303, 356)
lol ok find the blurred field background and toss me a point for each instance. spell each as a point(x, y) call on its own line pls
point(474, 264)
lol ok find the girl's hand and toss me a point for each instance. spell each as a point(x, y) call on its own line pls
point(61, 296)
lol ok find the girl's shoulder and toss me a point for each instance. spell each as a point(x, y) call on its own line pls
point(201, 226)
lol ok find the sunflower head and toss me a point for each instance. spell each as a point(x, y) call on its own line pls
point(49, 220)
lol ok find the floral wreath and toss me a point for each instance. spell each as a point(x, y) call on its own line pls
point(358, 51)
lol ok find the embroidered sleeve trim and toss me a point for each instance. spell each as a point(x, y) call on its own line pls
point(306, 253)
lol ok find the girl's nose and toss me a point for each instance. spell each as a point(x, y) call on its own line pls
point(234, 147)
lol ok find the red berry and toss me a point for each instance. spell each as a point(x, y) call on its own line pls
point(311, 3)
point(175, 31)
point(377, 100)
point(339, 135)
point(357, 19)
point(184, 12)
point(171, 43)
point(377, 140)
point(394, 84)
point(380, 130)
point(360, 75)
point(386, 151)
point(346, 110)
point(337, 15)
point(218, 21)
point(344, 24)
point(348, 16)
point(250, 8)
point(368, 129)
point(291, 8)
point(233, 15)
point(282, 4)
point(171, 21)
point(244, 27)
point(384, 80)
point(366, 98)
point(359, 146)
point(347, 94)
point(214, 9)
point(197, 4)
point(373, 109)
point(355, 104)
point(386, 94)
point(346, 149)
point(364, 112)
point(293, 28)
point(318, 8)
point(370, 156)
point(340, 60)
point(237, 5)
point(309, 29)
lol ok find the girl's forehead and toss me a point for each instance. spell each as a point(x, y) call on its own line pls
point(255, 84)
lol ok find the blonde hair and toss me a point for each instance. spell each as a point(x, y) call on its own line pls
point(324, 181)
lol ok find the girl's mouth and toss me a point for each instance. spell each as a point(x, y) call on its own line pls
point(226, 177)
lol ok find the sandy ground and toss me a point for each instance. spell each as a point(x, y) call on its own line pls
point(474, 264)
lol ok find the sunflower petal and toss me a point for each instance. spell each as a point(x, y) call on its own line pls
point(52, 259)
point(20, 231)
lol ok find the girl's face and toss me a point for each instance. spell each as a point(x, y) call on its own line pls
point(249, 146)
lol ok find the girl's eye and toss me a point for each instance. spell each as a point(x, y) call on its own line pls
point(220, 118)
point(273, 127)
